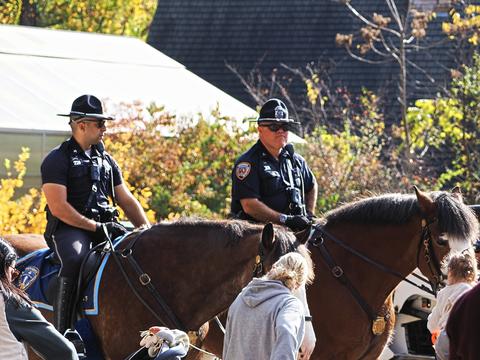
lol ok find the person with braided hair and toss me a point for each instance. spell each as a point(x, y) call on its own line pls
point(266, 321)
point(21, 322)
point(462, 275)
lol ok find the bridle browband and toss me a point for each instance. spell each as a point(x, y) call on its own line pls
point(317, 237)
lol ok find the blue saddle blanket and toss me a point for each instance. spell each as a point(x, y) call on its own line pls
point(36, 271)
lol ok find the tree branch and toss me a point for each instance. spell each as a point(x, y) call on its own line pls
point(424, 72)
point(378, 52)
point(395, 14)
point(368, 22)
point(359, 58)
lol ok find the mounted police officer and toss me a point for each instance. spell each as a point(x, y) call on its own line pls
point(272, 183)
point(79, 177)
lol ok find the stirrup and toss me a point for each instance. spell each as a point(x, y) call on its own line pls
point(74, 337)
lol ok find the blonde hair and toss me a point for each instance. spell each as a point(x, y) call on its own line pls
point(291, 269)
point(461, 266)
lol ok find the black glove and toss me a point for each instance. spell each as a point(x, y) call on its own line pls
point(297, 222)
point(114, 230)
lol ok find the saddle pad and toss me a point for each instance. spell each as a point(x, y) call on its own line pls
point(36, 271)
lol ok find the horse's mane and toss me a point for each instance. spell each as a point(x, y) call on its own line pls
point(234, 230)
point(455, 219)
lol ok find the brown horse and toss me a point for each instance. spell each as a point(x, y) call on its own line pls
point(197, 266)
point(374, 243)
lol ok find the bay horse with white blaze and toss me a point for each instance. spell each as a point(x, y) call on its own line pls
point(197, 266)
point(361, 252)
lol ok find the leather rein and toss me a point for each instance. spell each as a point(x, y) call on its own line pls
point(145, 280)
point(319, 234)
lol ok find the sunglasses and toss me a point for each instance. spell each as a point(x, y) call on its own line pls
point(276, 127)
point(100, 123)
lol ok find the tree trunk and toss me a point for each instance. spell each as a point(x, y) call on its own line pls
point(29, 16)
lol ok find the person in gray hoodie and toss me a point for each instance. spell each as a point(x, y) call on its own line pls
point(266, 321)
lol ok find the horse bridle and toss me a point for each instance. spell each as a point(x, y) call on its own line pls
point(430, 256)
point(318, 234)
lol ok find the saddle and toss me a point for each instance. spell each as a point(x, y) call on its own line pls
point(38, 272)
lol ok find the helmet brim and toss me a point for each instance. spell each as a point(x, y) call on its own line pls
point(88, 115)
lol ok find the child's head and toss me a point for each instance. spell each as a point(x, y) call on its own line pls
point(291, 269)
point(461, 266)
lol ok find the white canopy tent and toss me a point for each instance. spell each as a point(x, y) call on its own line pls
point(42, 71)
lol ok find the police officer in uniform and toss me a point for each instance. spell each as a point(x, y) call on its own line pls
point(270, 182)
point(79, 177)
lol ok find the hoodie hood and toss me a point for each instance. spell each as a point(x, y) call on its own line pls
point(261, 290)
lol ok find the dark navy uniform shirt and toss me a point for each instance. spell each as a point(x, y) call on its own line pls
point(68, 165)
point(257, 174)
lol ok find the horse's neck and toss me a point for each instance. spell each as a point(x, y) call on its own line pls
point(228, 272)
point(394, 247)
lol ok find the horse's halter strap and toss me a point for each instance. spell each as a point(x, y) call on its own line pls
point(429, 254)
point(145, 280)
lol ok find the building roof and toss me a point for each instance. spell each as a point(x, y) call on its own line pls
point(42, 71)
point(206, 34)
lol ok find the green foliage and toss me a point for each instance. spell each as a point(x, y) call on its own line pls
point(24, 213)
point(10, 11)
point(188, 171)
point(348, 162)
point(118, 17)
point(451, 126)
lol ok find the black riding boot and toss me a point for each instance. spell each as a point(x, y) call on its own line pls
point(63, 312)
point(62, 305)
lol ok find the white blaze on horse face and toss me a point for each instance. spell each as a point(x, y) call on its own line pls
point(310, 339)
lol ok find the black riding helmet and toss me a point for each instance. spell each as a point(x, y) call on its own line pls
point(7, 256)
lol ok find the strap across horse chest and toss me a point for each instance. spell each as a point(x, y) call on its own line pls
point(145, 281)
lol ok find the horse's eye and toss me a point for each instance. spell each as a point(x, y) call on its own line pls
point(442, 241)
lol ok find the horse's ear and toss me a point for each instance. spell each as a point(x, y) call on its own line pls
point(268, 235)
point(427, 206)
point(457, 193)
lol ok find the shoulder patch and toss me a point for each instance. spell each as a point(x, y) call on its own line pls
point(28, 277)
point(242, 170)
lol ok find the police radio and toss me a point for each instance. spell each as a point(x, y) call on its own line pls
point(295, 194)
